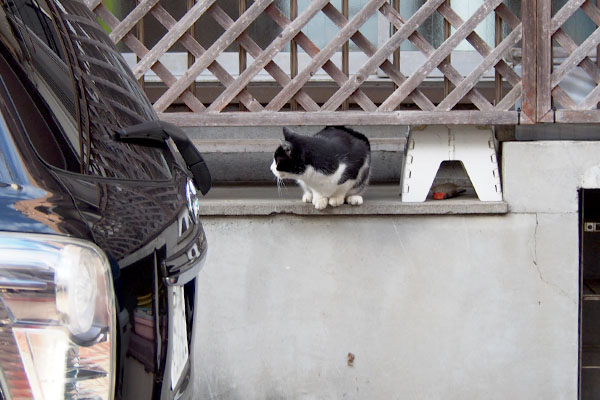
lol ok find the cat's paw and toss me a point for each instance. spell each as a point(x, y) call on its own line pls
point(355, 200)
point(336, 201)
point(320, 203)
point(307, 197)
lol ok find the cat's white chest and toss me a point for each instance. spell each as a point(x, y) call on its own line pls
point(320, 182)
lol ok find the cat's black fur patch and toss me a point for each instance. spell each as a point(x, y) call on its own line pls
point(324, 151)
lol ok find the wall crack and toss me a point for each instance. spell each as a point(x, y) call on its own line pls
point(537, 266)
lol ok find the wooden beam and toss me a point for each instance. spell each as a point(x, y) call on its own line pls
point(529, 73)
point(544, 57)
point(280, 118)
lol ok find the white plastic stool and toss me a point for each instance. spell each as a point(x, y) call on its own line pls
point(427, 148)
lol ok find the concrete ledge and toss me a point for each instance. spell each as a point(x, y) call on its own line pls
point(378, 200)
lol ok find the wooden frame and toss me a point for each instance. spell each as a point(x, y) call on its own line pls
point(530, 95)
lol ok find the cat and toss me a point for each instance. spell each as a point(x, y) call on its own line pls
point(332, 166)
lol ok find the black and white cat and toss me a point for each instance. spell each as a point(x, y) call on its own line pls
point(332, 166)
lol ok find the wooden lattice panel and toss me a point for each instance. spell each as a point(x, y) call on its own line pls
point(408, 99)
point(572, 64)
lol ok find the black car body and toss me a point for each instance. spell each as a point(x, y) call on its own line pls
point(99, 238)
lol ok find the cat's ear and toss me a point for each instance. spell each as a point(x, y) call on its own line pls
point(288, 134)
point(287, 147)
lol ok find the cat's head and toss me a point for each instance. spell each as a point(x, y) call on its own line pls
point(287, 160)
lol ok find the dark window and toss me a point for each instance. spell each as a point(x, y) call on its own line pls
point(589, 214)
point(86, 88)
point(48, 71)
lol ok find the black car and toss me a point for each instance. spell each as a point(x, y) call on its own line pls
point(100, 241)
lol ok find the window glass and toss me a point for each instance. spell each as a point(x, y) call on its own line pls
point(50, 74)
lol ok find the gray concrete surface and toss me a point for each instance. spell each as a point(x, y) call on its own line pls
point(243, 200)
point(430, 306)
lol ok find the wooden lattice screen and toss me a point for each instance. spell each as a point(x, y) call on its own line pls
point(477, 96)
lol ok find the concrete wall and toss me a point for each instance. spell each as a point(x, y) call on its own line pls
point(431, 307)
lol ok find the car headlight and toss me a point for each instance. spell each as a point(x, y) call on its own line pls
point(57, 318)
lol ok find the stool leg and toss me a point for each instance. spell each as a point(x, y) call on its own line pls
point(426, 149)
point(475, 147)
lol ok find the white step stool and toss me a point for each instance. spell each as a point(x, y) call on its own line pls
point(428, 147)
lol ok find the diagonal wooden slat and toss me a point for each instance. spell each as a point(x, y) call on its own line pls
point(469, 82)
point(165, 43)
point(140, 50)
point(369, 49)
point(565, 12)
point(446, 67)
point(131, 20)
point(211, 54)
point(254, 50)
point(438, 56)
point(312, 50)
point(511, 98)
point(325, 54)
point(479, 44)
point(570, 46)
point(197, 50)
point(383, 53)
point(284, 37)
point(563, 98)
point(591, 100)
point(575, 58)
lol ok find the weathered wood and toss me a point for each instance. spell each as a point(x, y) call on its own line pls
point(197, 50)
point(438, 56)
point(324, 55)
point(312, 50)
point(536, 89)
point(592, 11)
point(369, 49)
point(284, 37)
point(579, 117)
point(280, 118)
point(529, 73)
point(469, 82)
point(575, 58)
point(562, 15)
point(383, 53)
point(570, 46)
point(591, 100)
point(125, 26)
point(445, 66)
point(544, 57)
point(252, 145)
point(211, 54)
point(511, 98)
point(479, 44)
point(254, 50)
point(172, 36)
point(563, 98)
